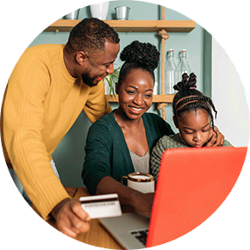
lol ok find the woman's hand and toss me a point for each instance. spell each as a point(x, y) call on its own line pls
point(129, 198)
point(143, 203)
point(216, 139)
point(70, 217)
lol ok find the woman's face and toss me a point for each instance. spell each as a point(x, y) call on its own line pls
point(194, 127)
point(136, 93)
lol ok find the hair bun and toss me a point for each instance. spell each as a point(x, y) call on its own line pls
point(141, 53)
point(188, 82)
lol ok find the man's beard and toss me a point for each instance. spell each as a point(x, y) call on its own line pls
point(89, 81)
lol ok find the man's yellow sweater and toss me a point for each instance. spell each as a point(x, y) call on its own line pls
point(41, 103)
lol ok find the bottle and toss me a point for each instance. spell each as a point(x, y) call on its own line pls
point(178, 70)
point(183, 66)
point(170, 72)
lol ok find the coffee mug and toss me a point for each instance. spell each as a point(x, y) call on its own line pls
point(141, 182)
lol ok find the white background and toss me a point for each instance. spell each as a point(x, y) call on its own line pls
point(227, 20)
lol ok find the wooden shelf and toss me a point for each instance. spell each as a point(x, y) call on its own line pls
point(64, 25)
point(156, 98)
point(130, 25)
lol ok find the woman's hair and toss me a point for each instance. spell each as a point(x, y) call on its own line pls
point(136, 55)
point(90, 35)
point(189, 99)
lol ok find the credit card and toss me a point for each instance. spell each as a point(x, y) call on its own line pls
point(101, 206)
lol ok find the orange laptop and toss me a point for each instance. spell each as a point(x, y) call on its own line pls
point(192, 184)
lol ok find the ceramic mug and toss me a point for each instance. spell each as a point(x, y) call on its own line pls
point(141, 182)
point(122, 12)
point(99, 11)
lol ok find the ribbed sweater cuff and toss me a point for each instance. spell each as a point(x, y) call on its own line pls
point(51, 195)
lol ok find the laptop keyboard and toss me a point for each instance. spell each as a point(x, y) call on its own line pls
point(141, 235)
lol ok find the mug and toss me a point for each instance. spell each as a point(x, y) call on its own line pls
point(141, 182)
point(122, 12)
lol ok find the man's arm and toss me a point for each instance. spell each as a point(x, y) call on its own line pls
point(70, 218)
point(22, 134)
point(23, 123)
point(97, 104)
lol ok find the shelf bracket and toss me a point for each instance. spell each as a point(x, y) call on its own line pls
point(162, 107)
point(163, 33)
point(164, 36)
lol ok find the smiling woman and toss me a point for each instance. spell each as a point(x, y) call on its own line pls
point(135, 95)
point(135, 89)
point(120, 142)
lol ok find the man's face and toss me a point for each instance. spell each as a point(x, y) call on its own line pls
point(100, 64)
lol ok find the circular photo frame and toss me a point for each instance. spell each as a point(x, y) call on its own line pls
point(54, 120)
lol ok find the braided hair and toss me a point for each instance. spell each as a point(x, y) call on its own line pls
point(137, 55)
point(189, 99)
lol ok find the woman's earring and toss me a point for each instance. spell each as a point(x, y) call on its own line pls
point(116, 88)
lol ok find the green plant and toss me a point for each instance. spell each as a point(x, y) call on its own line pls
point(111, 80)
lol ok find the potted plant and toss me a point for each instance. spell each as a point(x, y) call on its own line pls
point(110, 81)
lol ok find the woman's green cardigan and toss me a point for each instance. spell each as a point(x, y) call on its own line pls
point(106, 150)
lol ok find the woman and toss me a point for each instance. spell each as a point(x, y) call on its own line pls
point(120, 142)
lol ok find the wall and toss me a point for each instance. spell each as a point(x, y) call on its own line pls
point(229, 98)
point(69, 155)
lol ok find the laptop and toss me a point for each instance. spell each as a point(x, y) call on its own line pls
point(192, 184)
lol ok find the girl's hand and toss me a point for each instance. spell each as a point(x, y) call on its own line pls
point(216, 139)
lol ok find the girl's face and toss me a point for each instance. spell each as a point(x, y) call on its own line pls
point(136, 93)
point(194, 127)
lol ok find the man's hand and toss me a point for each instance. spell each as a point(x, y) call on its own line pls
point(70, 217)
point(216, 139)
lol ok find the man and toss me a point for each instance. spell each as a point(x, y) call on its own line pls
point(46, 92)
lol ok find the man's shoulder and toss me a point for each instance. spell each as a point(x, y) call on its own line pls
point(43, 49)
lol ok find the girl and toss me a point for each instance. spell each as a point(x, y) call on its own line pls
point(192, 116)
